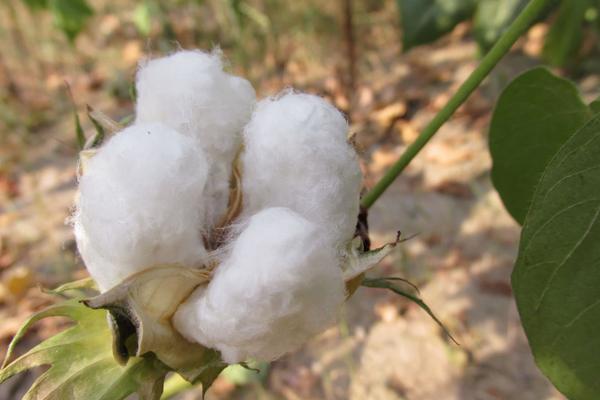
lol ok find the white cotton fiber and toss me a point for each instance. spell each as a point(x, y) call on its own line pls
point(190, 92)
point(140, 204)
point(297, 156)
point(279, 286)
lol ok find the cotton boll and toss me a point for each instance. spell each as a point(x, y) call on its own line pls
point(190, 92)
point(279, 286)
point(297, 156)
point(103, 271)
point(140, 204)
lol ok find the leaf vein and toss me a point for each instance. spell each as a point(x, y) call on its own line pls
point(567, 257)
point(567, 177)
point(550, 220)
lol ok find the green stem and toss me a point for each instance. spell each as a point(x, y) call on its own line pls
point(502, 46)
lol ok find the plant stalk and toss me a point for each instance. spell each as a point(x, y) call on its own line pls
point(519, 26)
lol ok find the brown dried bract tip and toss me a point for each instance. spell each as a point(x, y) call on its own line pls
point(104, 120)
point(353, 141)
point(234, 208)
point(362, 228)
point(84, 157)
point(219, 233)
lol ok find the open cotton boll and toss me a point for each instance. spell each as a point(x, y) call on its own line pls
point(190, 92)
point(279, 286)
point(140, 204)
point(297, 155)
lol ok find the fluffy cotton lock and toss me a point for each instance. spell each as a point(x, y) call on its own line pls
point(190, 92)
point(297, 156)
point(140, 204)
point(278, 286)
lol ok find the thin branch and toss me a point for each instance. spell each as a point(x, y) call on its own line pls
point(502, 46)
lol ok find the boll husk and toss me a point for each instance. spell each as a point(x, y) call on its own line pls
point(297, 156)
point(278, 286)
point(190, 92)
point(141, 204)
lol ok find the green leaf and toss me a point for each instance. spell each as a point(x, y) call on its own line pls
point(100, 130)
point(388, 283)
point(424, 21)
point(492, 18)
point(534, 116)
point(79, 134)
point(564, 39)
point(81, 361)
point(70, 16)
point(556, 279)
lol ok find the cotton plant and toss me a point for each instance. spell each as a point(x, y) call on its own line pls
point(216, 228)
point(219, 230)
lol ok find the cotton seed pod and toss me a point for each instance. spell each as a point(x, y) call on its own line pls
point(297, 156)
point(140, 204)
point(190, 92)
point(279, 285)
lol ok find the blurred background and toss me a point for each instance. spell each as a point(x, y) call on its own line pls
point(390, 66)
